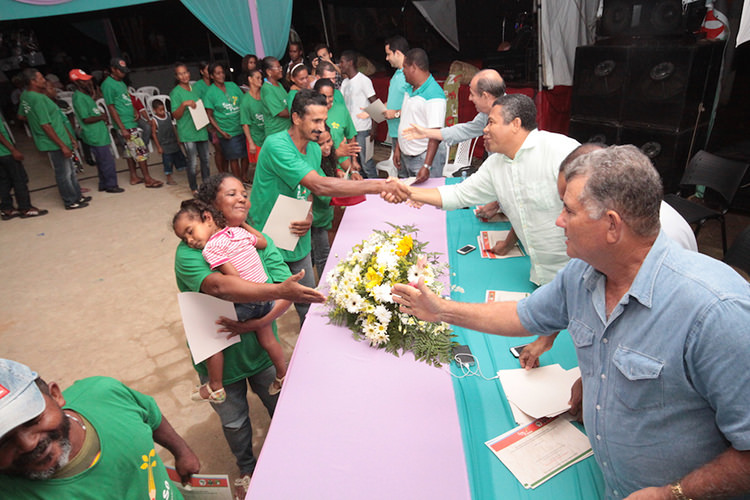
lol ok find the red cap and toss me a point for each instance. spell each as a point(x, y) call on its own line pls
point(78, 74)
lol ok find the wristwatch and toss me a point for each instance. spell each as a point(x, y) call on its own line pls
point(397, 114)
point(677, 493)
point(428, 167)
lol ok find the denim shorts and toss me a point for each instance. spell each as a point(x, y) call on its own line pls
point(252, 310)
point(234, 148)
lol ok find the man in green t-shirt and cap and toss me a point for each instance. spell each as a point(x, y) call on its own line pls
point(94, 439)
point(94, 130)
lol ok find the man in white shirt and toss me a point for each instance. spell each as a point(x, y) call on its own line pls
point(522, 177)
point(358, 94)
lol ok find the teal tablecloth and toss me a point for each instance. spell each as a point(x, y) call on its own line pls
point(483, 409)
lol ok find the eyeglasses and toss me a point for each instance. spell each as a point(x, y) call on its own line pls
point(275, 68)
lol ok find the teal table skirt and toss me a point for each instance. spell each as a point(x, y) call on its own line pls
point(483, 409)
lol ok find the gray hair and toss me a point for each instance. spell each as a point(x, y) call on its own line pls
point(490, 81)
point(620, 178)
point(517, 106)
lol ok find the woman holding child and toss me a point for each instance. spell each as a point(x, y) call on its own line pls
point(247, 361)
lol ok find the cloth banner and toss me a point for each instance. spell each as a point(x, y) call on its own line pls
point(26, 9)
point(441, 14)
point(238, 24)
point(743, 34)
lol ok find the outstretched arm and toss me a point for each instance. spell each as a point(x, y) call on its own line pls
point(186, 462)
point(235, 289)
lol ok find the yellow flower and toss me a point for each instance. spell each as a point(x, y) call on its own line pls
point(404, 246)
point(373, 278)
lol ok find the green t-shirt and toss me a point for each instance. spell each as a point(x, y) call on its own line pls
point(251, 113)
point(124, 420)
point(322, 212)
point(274, 99)
point(290, 100)
point(338, 97)
point(247, 357)
point(40, 110)
point(3, 130)
point(93, 134)
point(186, 130)
point(226, 107)
point(342, 127)
point(280, 169)
point(200, 87)
point(116, 92)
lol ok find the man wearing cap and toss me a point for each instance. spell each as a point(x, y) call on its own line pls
point(94, 130)
point(94, 440)
point(124, 116)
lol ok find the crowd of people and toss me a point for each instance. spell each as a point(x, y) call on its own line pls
point(662, 395)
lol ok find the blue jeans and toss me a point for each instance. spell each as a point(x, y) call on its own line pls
point(195, 150)
point(252, 310)
point(65, 176)
point(368, 167)
point(410, 165)
point(320, 248)
point(308, 280)
point(235, 417)
point(105, 165)
point(172, 161)
point(13, 177)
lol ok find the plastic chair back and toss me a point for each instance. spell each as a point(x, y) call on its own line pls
point(464, 150)
point(719, 174)
point(149, 89)
point(738, 254)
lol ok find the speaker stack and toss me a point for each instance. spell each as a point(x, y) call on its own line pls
point(647, 85)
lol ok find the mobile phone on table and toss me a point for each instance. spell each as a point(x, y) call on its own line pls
point(462, 355)
point(516, 350)
point(466, 249)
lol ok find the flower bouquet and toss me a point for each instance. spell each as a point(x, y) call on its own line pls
point(360, 295)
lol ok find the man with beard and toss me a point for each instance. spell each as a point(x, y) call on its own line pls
point(97, 436)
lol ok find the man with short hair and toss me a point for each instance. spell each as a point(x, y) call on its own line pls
point(396, 48)
point(125, 117)
point(289, 165)
point(522, 177)
point(94, 130)
point(424, 104)
point(94, 439)
point(343, 132)
point(296, 56)
point(359, 93)
point(485, 87)
point(51, 135)
point(658, 332)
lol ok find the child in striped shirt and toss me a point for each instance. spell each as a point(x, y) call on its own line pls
point(231, 250)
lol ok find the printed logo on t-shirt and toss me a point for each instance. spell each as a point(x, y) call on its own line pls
point(335, 125)
point(3, 391)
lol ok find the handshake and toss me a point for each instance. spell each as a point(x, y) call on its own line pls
point(395, 191)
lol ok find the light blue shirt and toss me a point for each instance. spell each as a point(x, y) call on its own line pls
point(396, 90)
point(666, 385)
point(464, 131)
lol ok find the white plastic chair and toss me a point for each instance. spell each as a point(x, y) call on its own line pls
point(149, 89)
point(160, 97)
point(464, 152)
point(64, 94)
point(388, 166)
point(103, 106)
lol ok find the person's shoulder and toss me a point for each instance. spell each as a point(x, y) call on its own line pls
point(703, 274)
point(92, 387)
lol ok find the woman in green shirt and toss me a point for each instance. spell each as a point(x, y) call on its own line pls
point(300, 77)
point(222, 101)
point(200, 87)
point(251, 118)
point(274, 97)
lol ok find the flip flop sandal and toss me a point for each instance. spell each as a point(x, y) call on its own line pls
point(9, 214)
point(33, 212)
point(139, 181)
point(156, 184)
point(218, 396)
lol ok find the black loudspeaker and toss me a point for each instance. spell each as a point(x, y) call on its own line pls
point(592, 131)
point(668, 151)
point(671, 86)
point(627, 18)
point(599, 82)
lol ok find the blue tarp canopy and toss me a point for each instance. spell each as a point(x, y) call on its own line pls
point(258, 27)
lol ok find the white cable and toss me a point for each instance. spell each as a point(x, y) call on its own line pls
point(466, 368)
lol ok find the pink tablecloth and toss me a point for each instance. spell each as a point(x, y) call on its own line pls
point(356, 422)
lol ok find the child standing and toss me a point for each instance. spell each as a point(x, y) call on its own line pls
point(231, 250)
point(165, 138)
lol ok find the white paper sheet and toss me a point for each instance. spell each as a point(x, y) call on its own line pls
point(199, 314)
point(376, 110)
point(199, 115)
point(537, 451)
point(541, 392)
point(284, 212)
point(503, 296)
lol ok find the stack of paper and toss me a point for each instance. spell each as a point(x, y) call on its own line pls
point(503, 296)
point(487, 239)
point(541, 392)
point(537, 451)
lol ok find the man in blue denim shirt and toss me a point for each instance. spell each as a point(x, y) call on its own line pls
point(662, 336)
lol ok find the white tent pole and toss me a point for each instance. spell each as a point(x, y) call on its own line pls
point(539, 54)
point(323, 17)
